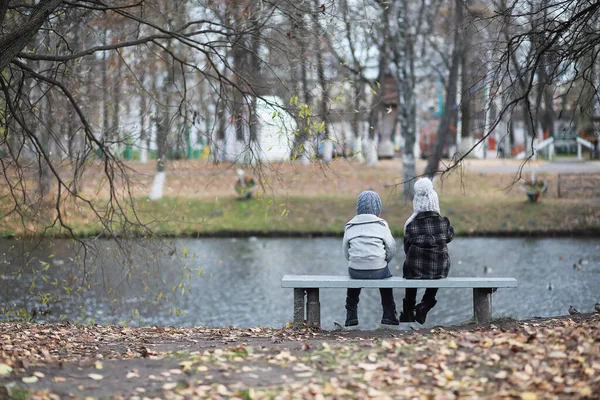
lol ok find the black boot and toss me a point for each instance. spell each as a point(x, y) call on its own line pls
point(408, 312)
point(352, 299)
point(351, 316)
point(389, 316)
point(423, 308)
point(389, 307)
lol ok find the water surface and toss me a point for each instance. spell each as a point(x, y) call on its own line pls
point(240, 281)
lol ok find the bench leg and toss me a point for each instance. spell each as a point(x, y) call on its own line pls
point(298, 308)
point(482, 305)
point(313, 308)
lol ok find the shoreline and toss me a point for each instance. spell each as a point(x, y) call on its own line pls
point(237, 234)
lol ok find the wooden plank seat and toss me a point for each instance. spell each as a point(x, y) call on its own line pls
point(308, 286)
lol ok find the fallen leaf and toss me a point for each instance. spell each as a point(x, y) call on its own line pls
point(59, 379)
point(222, 390)
point(367, 366)
point(39, 374)
point(5, 369)
point(501, 375)
point(98, 365)
point(529, 396)
point(170, 386)
point(30, 379)
point(557, 354)
point(132, 374)
point(185, 365)
point(95, 377)
point(586, 392)
point(46, 355)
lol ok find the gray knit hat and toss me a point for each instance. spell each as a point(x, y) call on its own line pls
point(368, 203)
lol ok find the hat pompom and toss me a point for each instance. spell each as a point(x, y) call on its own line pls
point(423, 186)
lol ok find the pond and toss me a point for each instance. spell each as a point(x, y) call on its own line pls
point(237, 281)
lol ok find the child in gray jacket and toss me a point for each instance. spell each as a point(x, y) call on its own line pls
point(369, 247)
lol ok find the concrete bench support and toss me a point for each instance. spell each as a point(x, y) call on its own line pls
point(298, 307)
point(308, 286)
point(313, 307)
point(482, 305)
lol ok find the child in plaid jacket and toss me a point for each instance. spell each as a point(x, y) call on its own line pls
point(426, 234)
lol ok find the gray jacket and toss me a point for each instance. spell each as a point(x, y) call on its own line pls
point(368, 243)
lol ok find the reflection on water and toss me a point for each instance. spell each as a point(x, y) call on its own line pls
point(240, 281)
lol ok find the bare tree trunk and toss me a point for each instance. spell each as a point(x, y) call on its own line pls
point(327, 144)
point(11, 44)
point(244, 60)
point(434, 160)
point(404, 60)
point(357, 132)
point(359, 86)
point(466, 74)
point(255, 83)
point(104, 73)
point(143, 110)
point(116, 117)
point(44, 173)
point(163, 125)
point(375, 114)
point(302, 139)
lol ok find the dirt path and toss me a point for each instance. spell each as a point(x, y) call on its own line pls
point(550, 357)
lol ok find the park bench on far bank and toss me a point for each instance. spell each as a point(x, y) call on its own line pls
point(309, 285)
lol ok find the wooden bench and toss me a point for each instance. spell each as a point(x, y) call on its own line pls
point(309, 285)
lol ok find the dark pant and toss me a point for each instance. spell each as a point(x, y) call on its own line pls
point(353, 294)
point(428, 297)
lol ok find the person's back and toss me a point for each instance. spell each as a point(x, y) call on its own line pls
point(368, 243)
point(368, 246)
point(426, 234)
point(426, 246)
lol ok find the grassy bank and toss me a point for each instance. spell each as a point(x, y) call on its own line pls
point(301, 215)
point(311, 200)
point(328, 215)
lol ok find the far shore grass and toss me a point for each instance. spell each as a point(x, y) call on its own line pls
point(326, 215)
point(304, 201)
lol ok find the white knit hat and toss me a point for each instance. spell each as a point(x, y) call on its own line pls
point(426, 199)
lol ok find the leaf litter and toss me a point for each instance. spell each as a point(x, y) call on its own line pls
point(533, 359)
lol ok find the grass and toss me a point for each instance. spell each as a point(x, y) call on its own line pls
point(327, 215)
point(19, 394)
point(315, 202)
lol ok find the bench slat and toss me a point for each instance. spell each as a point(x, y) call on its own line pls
point(332, 281)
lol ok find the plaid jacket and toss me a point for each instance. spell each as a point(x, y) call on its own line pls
point(425, 246)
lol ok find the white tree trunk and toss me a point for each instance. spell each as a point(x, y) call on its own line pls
point(371, 152)
point(409, 172)
point(327, 151)
point(156, 192)
point(307, 154)
point(143, 154)
point(466, 144)
point(217, 150)
point(357, 150)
